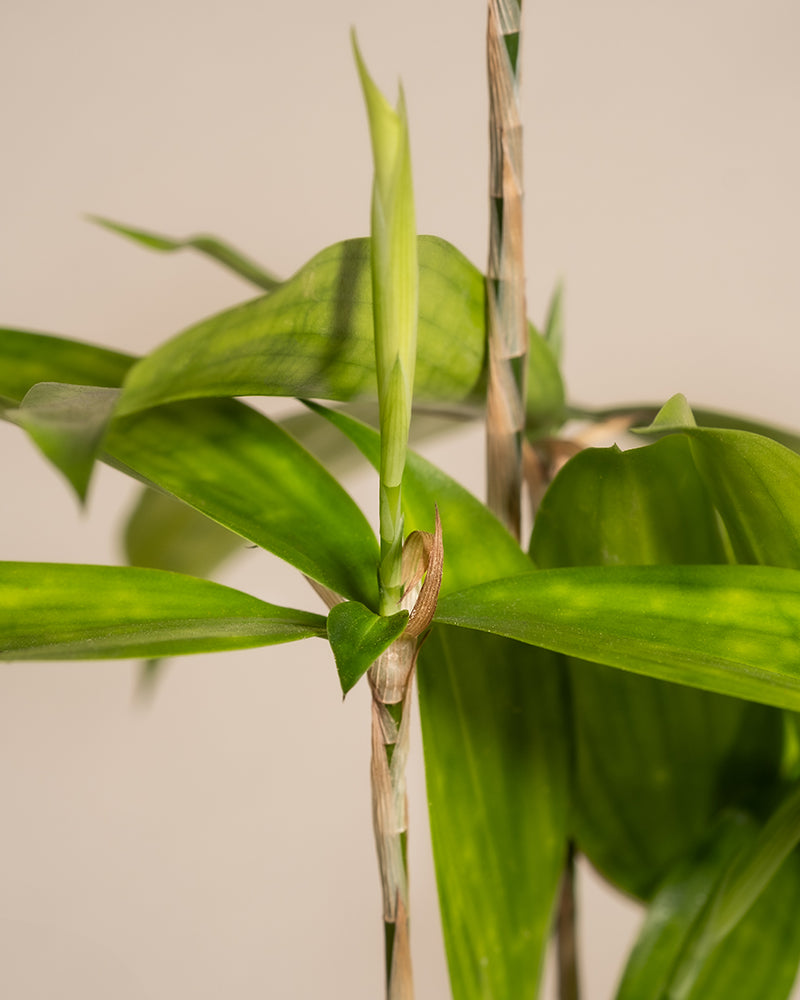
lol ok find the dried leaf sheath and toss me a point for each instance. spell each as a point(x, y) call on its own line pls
point(391, 680)
point(508, 330)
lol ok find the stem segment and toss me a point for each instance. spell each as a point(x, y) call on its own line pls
point(568, 983)
point(508, 328)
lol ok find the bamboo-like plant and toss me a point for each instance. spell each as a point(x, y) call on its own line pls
point(625, 686)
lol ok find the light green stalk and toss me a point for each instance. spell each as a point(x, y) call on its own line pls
point(395, 277)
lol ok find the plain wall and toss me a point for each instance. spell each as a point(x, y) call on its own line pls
point(217, 842)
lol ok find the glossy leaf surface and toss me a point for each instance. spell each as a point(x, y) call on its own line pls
point(64, 612)
point(730, 629)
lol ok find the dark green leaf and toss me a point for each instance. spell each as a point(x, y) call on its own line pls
point(730, 629)
point(51, 611)
point(240, 469)
point(759, 957)
point(654, 761)
point(67, 423)
point(724, 923)
point(675, 914)
point(755, 866)
point(358, 637)
point(208, 245)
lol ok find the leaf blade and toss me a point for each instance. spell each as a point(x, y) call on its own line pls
point(64, 611)
point(650, 619)
point(242, 470)
point(210, 246)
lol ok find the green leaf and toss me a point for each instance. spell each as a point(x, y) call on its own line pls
point(755, 485)
point(163, 533)
point(723, 925)
point(545, 405)
point(730, 629)
point(553, 332)
point(494, 722)
point(27, 358)
point(209, 245)
point(395, 305)
point(358, 637)
point(755, 866)
point(759, 957)
point(477, 546)
point(646, 506)
point(704, 416)
point(496, 740)
point(313, 336)
point(68, 424)
point(51, 611)
point(675, 414)
point(676, 911)
point(654, 761)
point(242, 470)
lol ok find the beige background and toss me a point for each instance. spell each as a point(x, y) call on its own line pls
point(218, 842)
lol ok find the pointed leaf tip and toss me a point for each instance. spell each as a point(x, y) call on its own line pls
point(675, 414)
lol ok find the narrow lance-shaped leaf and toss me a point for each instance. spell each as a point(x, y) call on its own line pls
point(51, 611)
point(730, 629)
point(395, 305)
point(212, 247)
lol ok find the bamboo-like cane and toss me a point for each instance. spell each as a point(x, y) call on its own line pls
point(508, 337)
point(508, 328)
point(391, 681)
